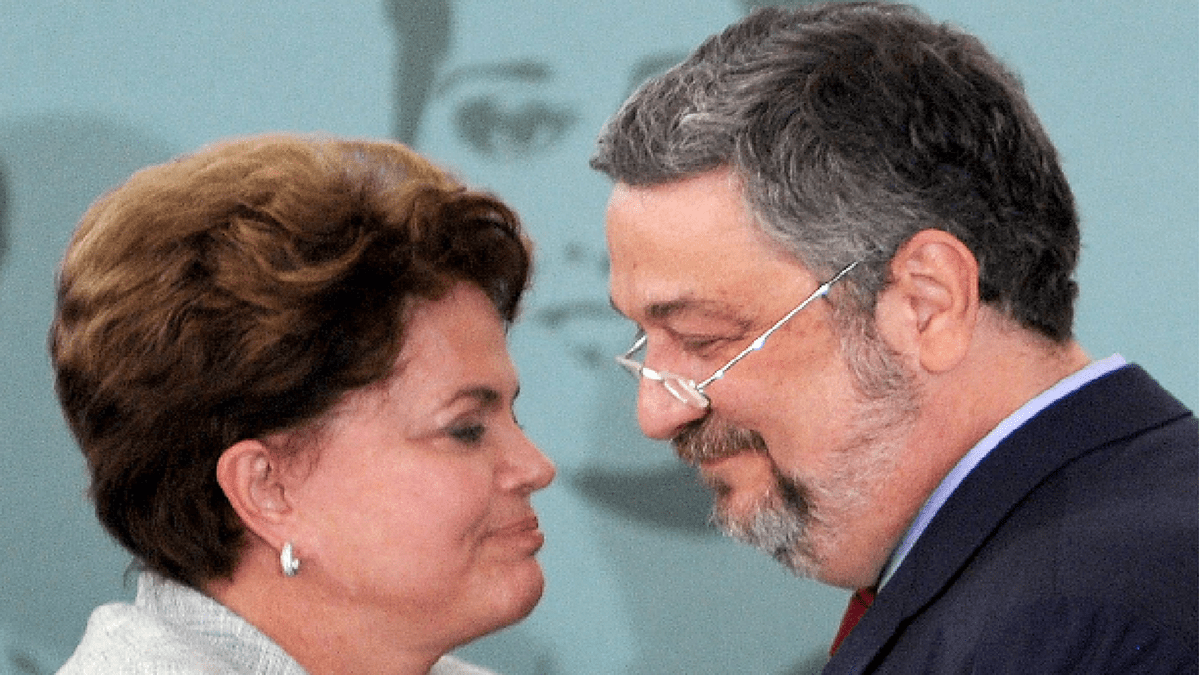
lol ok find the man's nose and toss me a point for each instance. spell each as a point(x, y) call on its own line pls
point(660, 414)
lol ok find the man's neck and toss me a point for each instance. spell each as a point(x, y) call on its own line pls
point(1003, 370)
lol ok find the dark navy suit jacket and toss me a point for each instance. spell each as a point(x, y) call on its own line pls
point(1071, 548)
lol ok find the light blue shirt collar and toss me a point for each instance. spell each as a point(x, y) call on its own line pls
point(970, 460)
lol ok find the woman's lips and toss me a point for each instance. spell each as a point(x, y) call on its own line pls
point(524, 534)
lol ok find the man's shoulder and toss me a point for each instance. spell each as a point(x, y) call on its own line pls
point(1126, 406)
point(1117, 517)
point(1127, 478)
point(1116, 460)
point(1092, 524)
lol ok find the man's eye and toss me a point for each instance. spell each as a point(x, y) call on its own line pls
point(503, 130)
point(699, 343)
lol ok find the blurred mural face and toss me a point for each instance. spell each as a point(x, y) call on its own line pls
point(516, 110)
point(511, 94)
point(3, 215)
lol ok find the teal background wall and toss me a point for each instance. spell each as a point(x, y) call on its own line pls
point(637, 582)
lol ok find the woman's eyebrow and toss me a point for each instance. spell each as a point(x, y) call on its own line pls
point(483, 395)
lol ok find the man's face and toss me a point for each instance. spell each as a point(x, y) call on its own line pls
point(798, 456)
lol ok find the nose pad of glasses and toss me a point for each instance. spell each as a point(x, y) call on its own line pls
point(660, 413)
point(686, 393)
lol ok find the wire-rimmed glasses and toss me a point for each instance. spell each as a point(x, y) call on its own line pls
point(688, 391)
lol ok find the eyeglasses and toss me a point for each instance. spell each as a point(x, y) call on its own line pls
point(688, 391)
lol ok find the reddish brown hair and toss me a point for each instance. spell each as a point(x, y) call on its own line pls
point(242, 291)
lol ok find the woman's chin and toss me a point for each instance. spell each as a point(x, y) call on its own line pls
point(524, 590)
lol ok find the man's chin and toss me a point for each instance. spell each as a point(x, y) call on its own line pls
point(775, 532)
point(753, 504)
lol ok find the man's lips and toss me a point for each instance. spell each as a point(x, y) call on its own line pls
point(712, 438)
point(745, 468)
point(739, 482)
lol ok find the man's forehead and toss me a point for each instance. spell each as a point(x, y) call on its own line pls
point(700, 216)
point(690, 248)
point(664, 304)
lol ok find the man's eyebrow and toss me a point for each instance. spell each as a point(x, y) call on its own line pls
point(661, 311)
point(667, 309)
point(515, 71)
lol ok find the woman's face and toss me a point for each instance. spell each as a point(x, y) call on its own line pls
point(416, 509)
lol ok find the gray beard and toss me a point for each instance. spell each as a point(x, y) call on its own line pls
point(780, 527)
point(786, 523)
point(780, 523)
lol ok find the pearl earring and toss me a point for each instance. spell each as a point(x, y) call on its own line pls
point(288, 561)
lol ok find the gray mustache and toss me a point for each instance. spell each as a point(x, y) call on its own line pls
point(712, 438)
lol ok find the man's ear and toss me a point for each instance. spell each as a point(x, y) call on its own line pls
point(930, 306)
point(255, 483)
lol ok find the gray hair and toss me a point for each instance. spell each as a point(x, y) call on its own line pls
point(851, 127)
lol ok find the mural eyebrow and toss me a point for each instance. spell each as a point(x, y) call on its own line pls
point(517, 71)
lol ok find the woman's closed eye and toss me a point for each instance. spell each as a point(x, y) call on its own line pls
point(467, 433)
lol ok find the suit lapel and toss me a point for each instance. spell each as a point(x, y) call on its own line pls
point(1114, 406)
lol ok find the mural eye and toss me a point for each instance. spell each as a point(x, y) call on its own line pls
point(503, 131)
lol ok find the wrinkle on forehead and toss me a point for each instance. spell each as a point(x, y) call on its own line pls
point(692, 249)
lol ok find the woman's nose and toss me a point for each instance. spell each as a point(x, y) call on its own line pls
point(533, 470)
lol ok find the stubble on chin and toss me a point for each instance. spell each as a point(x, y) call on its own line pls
point(778, 521)
point(781, 523)
point(801, 520)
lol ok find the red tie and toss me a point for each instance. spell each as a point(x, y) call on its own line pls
point(859, 602)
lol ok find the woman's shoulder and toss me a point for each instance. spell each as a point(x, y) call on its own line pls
point(174, 630)
point(123, 639)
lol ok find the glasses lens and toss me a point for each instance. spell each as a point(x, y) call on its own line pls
point(686, 392)
point(630, 366)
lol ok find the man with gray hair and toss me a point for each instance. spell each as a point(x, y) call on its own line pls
point(850, 249)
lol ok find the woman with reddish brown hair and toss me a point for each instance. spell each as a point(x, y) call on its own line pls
point(284, 358)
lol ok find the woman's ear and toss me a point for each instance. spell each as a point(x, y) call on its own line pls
point(254, 480)
point(931, 305)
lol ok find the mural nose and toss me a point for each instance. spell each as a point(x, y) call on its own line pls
point(586, 258)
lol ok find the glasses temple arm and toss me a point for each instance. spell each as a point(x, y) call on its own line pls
point(821, 292)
